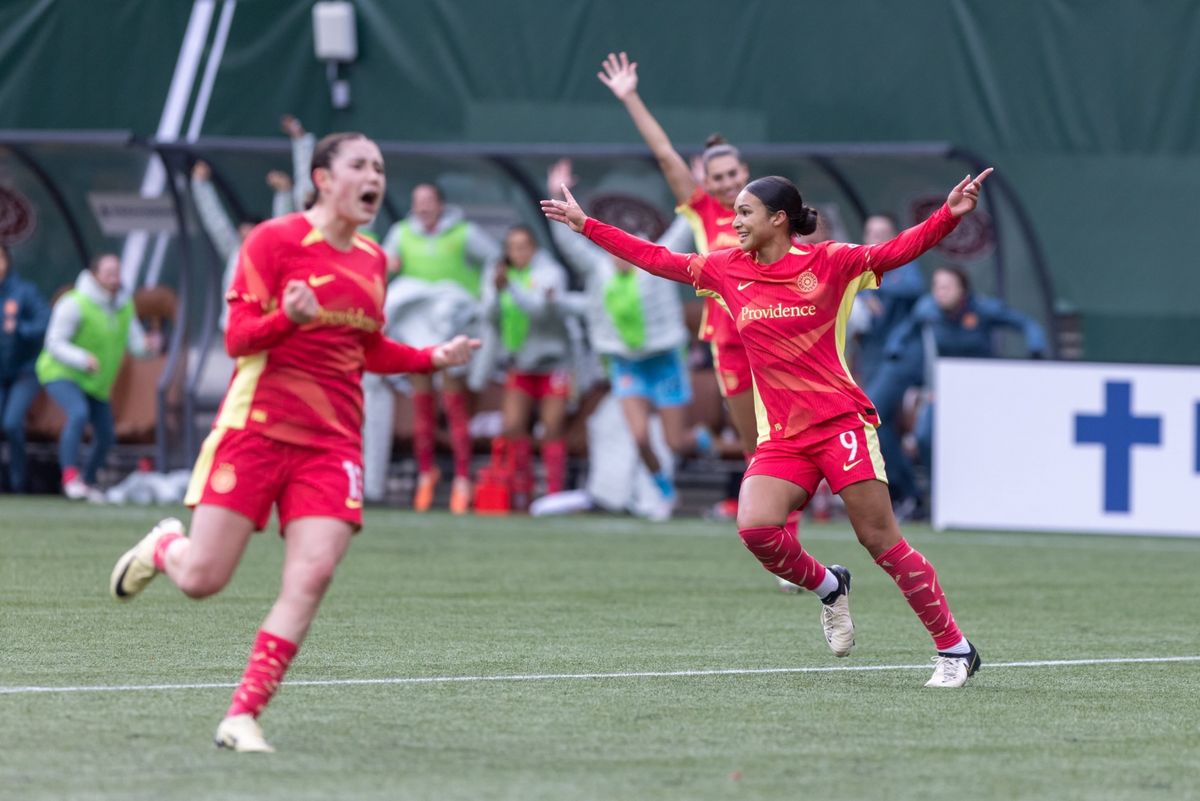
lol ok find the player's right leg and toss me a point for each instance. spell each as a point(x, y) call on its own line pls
point(763, 509)
point(200, 564)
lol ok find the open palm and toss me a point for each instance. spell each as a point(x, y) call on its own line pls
point(620, 75)
point(566, 211)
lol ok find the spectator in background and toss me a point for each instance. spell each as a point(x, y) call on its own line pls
point(519, 302)
point(635, 321)
point(225, 237)
point(91, 327)
point(303, 144)
point(22, 329)
point(887, 306)
point(436, 244)
point(949, 321)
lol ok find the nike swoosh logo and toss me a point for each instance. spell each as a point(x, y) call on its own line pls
point(319, 280)
point(850, 465)
point(743, 285)
point(724, 220)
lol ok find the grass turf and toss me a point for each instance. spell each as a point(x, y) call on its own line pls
point(434, 596)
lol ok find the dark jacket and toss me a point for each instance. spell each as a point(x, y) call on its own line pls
point(23, 319)
point(968, 332)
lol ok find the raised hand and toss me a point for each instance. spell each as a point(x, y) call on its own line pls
point(559, 175)
point(300, 303)
point(965, 197)
point(291, 126)
point(455, 352)
point(620, 75)
point(566, 211)
point(279, 180)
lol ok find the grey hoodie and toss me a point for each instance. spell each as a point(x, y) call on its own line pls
point(548, 345)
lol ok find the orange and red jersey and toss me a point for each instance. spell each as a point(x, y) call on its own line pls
point(791, 314)
point(303, 383)
point(712, 228)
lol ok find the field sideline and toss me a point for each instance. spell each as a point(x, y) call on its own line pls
point(599, 658)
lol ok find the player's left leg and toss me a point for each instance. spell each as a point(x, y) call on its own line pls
point(870, 510)
point(552, 412)
point(314, 547)
point(457, 401)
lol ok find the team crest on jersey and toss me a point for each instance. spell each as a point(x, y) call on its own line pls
point(806, 282)
point(224, 479)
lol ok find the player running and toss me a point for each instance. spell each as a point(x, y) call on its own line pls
point(791, 303)
point(305, 312)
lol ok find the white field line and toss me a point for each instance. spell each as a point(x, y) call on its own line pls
point(119, 688)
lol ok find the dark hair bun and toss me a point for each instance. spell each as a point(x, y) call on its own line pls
point(805, 222)
point(715, 139)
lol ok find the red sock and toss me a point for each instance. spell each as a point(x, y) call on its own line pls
point(160, 549)
point(459, 413)
point(70, 474)
point(554, 456)
point(793, 523)
point(424, 424)
point(269, 660)
point(522, 465)
point(780, 552)
point(501, 455)
point(917, 579)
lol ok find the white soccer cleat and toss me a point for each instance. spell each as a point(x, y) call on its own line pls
point(835, 615)
point(76, 490)
point(953, 670)
point(243, 734)
point(135, 568)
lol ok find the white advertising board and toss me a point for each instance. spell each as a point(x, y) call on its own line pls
point(1065, 446)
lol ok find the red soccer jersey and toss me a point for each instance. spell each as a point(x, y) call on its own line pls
point(712, 228)
point(791, 314)
point(303, 383)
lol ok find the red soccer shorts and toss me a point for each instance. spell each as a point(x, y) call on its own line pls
point(556, 384)
point(247, 473)
point(843, 451)
point(731, 366)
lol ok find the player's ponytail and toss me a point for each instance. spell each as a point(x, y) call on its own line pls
point(323, 155)
point(780, 194)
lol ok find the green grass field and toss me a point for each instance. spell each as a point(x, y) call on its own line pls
point(437, 598)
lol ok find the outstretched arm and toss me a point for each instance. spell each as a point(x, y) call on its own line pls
point(912, 242)
point(383, 355)
point(684, 268)
point(620, 76)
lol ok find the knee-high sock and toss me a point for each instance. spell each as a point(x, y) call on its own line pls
point(269, 660)
point(780, 552)
point(917, 579)
point(522, 464)
point(424, 426)
point(554, 456)
point(459, 414)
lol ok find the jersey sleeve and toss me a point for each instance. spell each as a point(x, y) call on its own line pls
point(910, 243)
point(383, 355)
point(256, 322)
point(686, 268)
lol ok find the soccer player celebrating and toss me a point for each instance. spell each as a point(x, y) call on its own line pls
point(791, 302)
point(305, 312)
point(709, 208)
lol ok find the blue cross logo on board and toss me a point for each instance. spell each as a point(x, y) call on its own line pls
point(1117, 431)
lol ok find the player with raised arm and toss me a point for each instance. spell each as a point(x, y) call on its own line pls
point(791, 302)
point(305, 313)
point(709, 208)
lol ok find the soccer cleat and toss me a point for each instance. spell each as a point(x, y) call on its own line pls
point(953, 670)
point(75, 489)
point(243, 734)
point(426, 483)
point(135, 568)
point(835, 614)
point(460, 496)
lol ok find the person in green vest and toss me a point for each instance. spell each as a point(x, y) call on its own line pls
point(91, 327)
point(436, 244)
